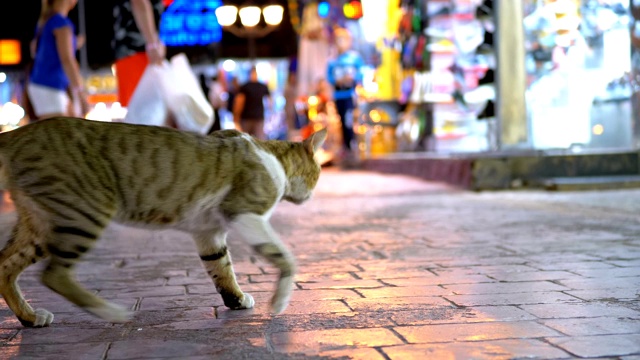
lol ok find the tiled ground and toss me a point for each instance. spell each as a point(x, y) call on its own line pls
point(390, 268)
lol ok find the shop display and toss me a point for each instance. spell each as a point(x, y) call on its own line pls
point(578, 63)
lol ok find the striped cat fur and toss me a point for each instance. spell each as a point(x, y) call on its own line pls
point(69, 178)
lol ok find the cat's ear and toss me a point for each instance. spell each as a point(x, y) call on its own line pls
point(315, 141)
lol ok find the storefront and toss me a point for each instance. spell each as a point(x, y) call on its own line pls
point(568, 88)
point(578, 66)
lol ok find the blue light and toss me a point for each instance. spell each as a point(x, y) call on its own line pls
point(323, 9)
point(190, 22)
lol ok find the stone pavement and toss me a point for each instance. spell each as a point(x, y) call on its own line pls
point(390, 267)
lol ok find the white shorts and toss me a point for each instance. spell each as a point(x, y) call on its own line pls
point(47, 100)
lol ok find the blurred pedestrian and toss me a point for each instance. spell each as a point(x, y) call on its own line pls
point(290, 97)
point(217, 95)
point(233, 87)
point(345, 74)
point(248, 108)
point(55, 83)
point(136, 42)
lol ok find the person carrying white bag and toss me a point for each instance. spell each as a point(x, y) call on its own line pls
point(143, 72)
point(168, 94)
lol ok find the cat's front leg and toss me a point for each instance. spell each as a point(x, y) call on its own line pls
point(257, 231)
point(216, 260)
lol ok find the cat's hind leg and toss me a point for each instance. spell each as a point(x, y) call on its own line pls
point(23, 249)
point(216, 260)
point(68, 242)
point(256, 230)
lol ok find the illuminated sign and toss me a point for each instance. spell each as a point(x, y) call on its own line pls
point(352, 9)
point(323, 9)
point(10, 53)
point(190, 22)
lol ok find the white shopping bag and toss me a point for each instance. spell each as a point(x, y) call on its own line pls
point(184, 97)
point(147, 105)
point(170, 88)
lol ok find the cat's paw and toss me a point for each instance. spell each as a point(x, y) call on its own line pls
point(43, 318)
point(111, 312)
point(247, 301)
point(278, 305)
point(280, 299)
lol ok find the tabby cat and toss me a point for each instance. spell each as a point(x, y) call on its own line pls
point(70, 177)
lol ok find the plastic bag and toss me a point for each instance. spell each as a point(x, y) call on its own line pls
point(184, 96)
point(170, 88)
point(147, 105)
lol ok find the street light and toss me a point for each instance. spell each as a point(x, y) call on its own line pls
point(249, 18)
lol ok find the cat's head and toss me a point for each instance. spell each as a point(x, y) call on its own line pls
point(306, 172)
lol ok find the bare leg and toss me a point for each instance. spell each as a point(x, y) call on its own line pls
point(216, 260)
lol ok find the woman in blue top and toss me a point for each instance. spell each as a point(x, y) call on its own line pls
point(55, 68)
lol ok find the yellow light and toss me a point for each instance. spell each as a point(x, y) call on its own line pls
point(273, 14)
point(352, 10)
point(250, 16)
point(226, 15)
point(313, 100)
point(349, 11)
point(597, 129)
point(375, 116)
point(10, 53)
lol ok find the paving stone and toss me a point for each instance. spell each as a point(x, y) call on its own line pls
point(6, 335)
point(189, 280)
point(144, 292)
point(497, 349)
point(598, 283)
point(594, 326)
point(355, 353)
point(444, 315)
point(315, 295)
point(171, 302)
point(439, 280)
point(91, 350)
point(146, 349)
point(620, 294)
point(311, 277)
point(387, 275)
point(474, 332)
point(512, 299)
point(287, 322)
point(297, 307)
point(504, 288)
point(314, 342)
point(532, 276)
point(600, 345)
point(405, 291)
point(56, 335)
point(579, 310)
point(611, 273)
point(351, 284)
point(594, 265)
point(390, 304)
point(8, 321)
